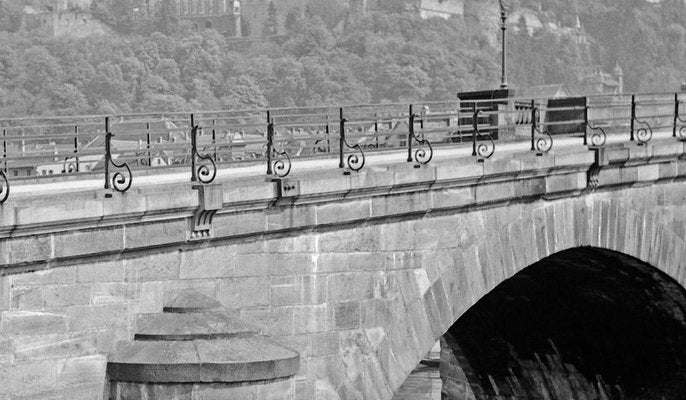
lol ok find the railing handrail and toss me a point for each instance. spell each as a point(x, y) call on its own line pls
point(206, 139)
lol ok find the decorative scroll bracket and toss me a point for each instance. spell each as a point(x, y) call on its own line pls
point(541, 140)
point(121, 180)
point(421, 156)
point(645, 132)
point(481, 150)
point(210, 200)
point(4, 187)
point(202, 173)
point(353, 162)
point(601, 160)
point(679, 122)
point(280, 167)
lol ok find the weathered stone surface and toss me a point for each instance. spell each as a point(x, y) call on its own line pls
point(51, 346)
point(18, 323)
point(83, 370)
point(347, 315)
point(280, 218)
point(203, 326)
point(67, 295)
point(27, 298)
point(28, 379)
point(235, 360)
point(243, 292)
point(162, 266)
point(153, 234)
point(343, 212)
point(271, 320)
point(112, 271)
point(28, 249)
point(107, 316)
point(310, 319)
point(114, 292)
point(46, 277)
point(88, 242)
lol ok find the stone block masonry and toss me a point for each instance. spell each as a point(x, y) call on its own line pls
point(360, 292)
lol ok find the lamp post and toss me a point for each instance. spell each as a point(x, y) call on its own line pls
point(503, 27)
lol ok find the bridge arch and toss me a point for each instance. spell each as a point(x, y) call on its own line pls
point(582, 323)
point(497, 244)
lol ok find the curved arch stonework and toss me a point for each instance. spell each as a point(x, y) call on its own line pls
point(438, 267)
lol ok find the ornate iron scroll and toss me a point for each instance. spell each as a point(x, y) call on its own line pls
point(282, 166)
point(541, 141)
point(70, 165)
point(599, 137)
point(482, 150)
point(204, 173)
point(354, 162)
point(421, 155)
point(679, 123)
point(4, 187)
point(120, 181)
point(643, 134)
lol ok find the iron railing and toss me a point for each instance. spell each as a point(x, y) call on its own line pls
point(123, 146)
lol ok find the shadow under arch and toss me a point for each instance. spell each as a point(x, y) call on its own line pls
point(584, 323)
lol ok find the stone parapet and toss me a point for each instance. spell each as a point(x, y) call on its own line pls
point(44, 231)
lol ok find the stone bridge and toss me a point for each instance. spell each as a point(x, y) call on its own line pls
point(546, 276)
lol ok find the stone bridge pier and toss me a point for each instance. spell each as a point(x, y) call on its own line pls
point(542, 276)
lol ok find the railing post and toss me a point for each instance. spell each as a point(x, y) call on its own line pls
point(108, 152)
point(533, 125)
point(4, 149)
point(341, 146)
point(194, 149)
point(633, 115)
point(214, 139)
point(270, 142)
point(475, 124)
point(376, 129)
point(586, 125)
point(410, 135)
point(147, 138)
point(328, 132)
point(676, 113)
point(76, 146)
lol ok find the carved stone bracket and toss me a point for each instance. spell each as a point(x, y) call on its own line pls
point(210, 200)
point(288, 187)
point(601, 161)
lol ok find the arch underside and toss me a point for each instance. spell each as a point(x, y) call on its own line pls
point(584, 323)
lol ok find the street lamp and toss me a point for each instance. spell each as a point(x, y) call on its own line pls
point(503, 27)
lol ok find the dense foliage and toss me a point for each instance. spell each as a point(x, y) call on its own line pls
point(327, 58)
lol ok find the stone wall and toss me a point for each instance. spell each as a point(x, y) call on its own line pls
point(360, 274)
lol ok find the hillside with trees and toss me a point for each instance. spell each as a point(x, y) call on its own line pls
point(329, 57)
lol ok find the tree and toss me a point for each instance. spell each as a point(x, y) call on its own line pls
point(243, 94)
point(271, 25)
point(42, 70)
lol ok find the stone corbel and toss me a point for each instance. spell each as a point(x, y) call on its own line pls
point(601, 161)
point(210, 200)
point(288, 188)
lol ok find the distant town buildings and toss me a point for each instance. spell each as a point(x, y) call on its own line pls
point(441, 8)
point(224, 16)
point(595, 81)
point(54, 18)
